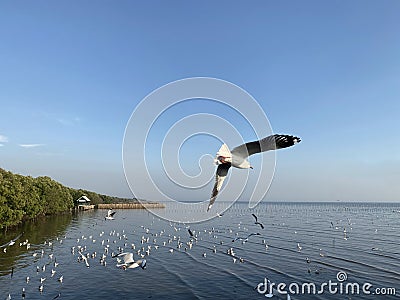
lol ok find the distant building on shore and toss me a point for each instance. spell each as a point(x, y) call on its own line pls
point(83, 200)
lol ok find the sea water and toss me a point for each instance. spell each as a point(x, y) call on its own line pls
point(305, 251)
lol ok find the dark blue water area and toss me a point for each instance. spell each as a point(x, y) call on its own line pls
point(301, 245)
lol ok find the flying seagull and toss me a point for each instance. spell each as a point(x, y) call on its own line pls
point(129, 262)
point(57, 296)
point(12, 242)
point(191, 234)
point(256, 222)
point(238, 157)
point(84, 258)
point(110, 215)
point(246, 238)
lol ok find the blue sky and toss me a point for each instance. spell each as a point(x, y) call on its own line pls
point(71, 73)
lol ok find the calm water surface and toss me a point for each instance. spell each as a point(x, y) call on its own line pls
point(361, 240)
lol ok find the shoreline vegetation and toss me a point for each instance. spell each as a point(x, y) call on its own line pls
point(28, 198)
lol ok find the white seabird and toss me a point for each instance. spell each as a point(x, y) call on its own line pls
point(299, 247)
point(129, 262)
point(84, 258)
point(10, 243)
point(238, 157)
point(110, 215)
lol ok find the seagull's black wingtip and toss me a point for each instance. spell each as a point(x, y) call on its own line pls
point(296, 139)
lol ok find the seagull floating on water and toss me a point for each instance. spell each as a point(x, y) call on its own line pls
point(238, 157)
point(299, 247)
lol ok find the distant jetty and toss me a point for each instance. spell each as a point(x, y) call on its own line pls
point(129, 205)
point(26, 198)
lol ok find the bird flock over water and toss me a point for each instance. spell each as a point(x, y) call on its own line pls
point(117, 250)
point(132, 249)
point(43, 258)
point(117, 246)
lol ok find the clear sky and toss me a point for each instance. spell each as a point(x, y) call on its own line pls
point(72, 72)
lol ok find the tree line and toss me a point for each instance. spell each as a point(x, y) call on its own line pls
point(25, 197)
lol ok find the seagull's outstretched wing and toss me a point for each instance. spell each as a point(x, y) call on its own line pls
point(272, 142)
point(112, 214)
point(256, 222)
point(251, 234)
point(224, 151)
point(12, 241)
point(191, 234)
point(128, 258)
point(140, 263)
point(255, 217)
point(220, 176)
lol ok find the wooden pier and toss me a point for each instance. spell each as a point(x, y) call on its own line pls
point(130, 205)
point(86, 207)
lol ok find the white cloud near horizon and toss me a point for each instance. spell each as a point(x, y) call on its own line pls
point(3, 139)
point(30, 145)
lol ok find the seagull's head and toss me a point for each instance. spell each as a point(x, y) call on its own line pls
point(223, 159)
